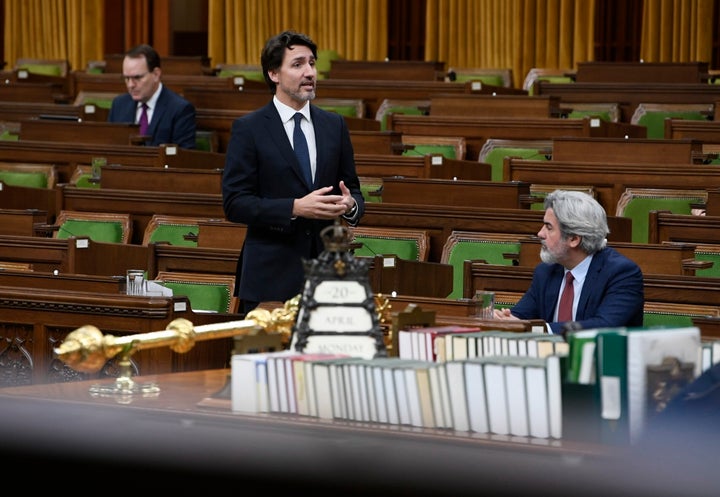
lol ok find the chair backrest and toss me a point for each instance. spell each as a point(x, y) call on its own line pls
point(451, 147)
point(349, 107)
point(708, 253)
point(371, 188)
point(552, 75)
point(636, 204)
point(324, 61)
point(410, 244)
point(106, 227)
point(539, 192)
point(494, 151)
point(207, 140)
point(653, 116)
point(15, 266)
point(206, 292)
point(400, 106)
point(45, 67)
point(675, 314)
point(82, 177)
point(493, 77)
point(493, 248)
point(174, 230)
point(29, 175)
point(251, 72)
point(609, 112)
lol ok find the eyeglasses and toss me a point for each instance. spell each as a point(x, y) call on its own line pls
point(135, 78)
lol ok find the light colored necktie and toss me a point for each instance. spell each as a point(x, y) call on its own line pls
point(566, 299)
point(301, 149)
point(143, 120)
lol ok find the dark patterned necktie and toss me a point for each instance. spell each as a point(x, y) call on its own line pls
point(566, 299)
point(301, 148)
point(143, 120)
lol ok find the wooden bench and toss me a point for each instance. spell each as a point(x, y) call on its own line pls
point(477, 131)
point(427, 166)
point(21, 221)
point(441, 221)
point(504, 106)
point(67, 155)
point(707, 132)
point(156, 179)
point(377, 142)
point(665, 226)
point(641, 72)
point(143, 205)
point(49, 93)
point(611, 179)
point(630, 95)
point(35, 320)
point(113, 82)
point(635, 150)
point(393, 70)
point(503, 195)
point(48, 200)
point(73, 131)
point(653, 258)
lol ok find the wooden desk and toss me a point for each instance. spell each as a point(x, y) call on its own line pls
point(184, 447)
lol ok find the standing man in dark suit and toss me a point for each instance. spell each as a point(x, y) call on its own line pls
point(170, 118)
point(265, 186)
point(607, 286)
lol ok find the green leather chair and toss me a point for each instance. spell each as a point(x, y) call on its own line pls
point(495, 150)
point(636, 204)
point(653, 116)
point(409, 244)
point(206, 292)
point(493, 248)
point(98, 226)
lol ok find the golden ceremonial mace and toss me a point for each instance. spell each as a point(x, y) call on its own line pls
point(86, 349)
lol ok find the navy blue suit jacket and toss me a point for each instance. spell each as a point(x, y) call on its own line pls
point(612, 294)
point(261, 179)
point(173, 119)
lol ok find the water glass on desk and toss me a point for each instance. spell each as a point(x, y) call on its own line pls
point(135, 279)
point(484, 304)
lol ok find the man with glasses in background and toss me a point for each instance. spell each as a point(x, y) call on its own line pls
point(163, 115)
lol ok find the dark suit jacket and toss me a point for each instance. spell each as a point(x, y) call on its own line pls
point(261, 179)
point(173, 119)
point(612, 294)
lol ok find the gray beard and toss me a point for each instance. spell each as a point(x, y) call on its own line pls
point(546, 256)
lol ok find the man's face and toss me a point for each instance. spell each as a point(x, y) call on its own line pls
point(554, 246)
point(296, 77)
point(140, 82)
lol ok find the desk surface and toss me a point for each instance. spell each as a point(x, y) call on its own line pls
point(185, 442)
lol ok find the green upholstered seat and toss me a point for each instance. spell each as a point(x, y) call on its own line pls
point(488, 76)
point(206, 292)
point(636, 204)
point(175, 234)
point(398, 106)
point(489, 247)
point(30, 179)
point(708, 253)
point(606, 112)
point(108, 227)
point(202, 296)
point(494, 151)
point(99, 231)
point(653, 116)
point(675, 314)
point(408, 244)
point(42, 69)
point(447, 151)
point(348, 107)
point(371, 189)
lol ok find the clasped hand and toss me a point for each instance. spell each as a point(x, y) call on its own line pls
point(319, 205)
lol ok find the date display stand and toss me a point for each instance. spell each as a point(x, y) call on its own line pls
point(337, 312)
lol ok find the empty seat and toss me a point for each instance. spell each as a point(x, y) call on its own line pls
point(400, 106)
point(636, 203)
point(106, 227)
point(30, 175)
point(653, 116)
point(410, 244)
point(173, 230)
point(492, 248)
point(494, 151)
point(451, 147)
point(206, 292)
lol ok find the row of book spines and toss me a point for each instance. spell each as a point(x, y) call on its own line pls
point(441, 344)
point(414, 393)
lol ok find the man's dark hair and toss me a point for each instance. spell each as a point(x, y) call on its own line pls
point(151, 56)
point(274, 51)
